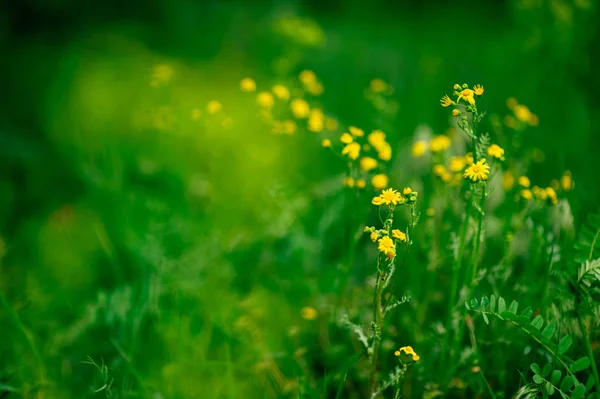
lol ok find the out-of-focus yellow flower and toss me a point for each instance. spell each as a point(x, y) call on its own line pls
point(247, 84)
point(196, 114)
point(309, 313)
point(331, 124)
point(378, 86)
point(439, 143)
point(539, 193)
point(384, 152)
point(467, 95)
point(379, 181)
point(376, 138)
point(326, 143)
point(527, 194)
point(349, 182)
point(566, 181)
point(524, 181)
point(352, 150)
point(307, 77)
point(430, 212)
point(360, 183)
point(469, 158)
point(551, 194)
point(289, 127)
point(300, 108)
point(478, 89)
point(496, 151)
point(442, 173)
point(161, 75)
point(409, 351)
point(213, 107)
point(510, 122)
point(374, 236)
point(446, 101)
point(316, 120)
point(398, 235)
point(356, 132)
point(316, 88)
point(367, 164)
point(508, 180)
point(511, 103)
point(478, 171)
point(457, 164)
point(346, 138)
point(418, 148)
point(522, 113)
point(281, 92)
point(265, 99)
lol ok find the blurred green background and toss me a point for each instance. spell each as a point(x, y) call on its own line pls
point(150, 248)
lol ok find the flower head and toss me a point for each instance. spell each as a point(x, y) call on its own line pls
point(265, 99)
point(566, 181)
point(309, 313)
point(367, 164)
point(386, 244)
point(377, 138)
point(360, 183)
point(281, 92)
point(409, 351)
point(477, 171)
point(356, 132)
point(439, 143)
point(326, 143)
point(300, 108)
point(526, 194)
point(457, 164)
point(478, 89)
point(467, 95)
point(446, 101)
point(455, 112)
point(496, 151)
point(247, 84)
point(346, 138)
point(397, 234)
point(385, 152)
point(213, 107)
point(352, 150)
point(379, 181)
point(387, 197)
point(524, 181)
point(418, 148)
point(349, 182)
point(307, 77)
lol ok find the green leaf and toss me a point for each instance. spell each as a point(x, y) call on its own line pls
point(578, 392)
point(555, 378)
point(581, 364)
point(501, 305)
point(485, 318)
point(514, 306)
point(548, 388)
point(537, 379)
point(548, 332)
point(484, 303)
point(527, 313)
point(535, 368)
point(474, 304)
point(538, 322)
point(546, 370)
point(508, 315)
point(590, 382)
point(564, 344)
point(492, 303)
point(566, 383)
point(467, 305)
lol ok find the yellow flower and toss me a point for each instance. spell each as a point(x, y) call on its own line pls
point(309, 313)
point(455, 112)
point(439, 143)
point(445, 101)
point(457, 164)
point(213, 107)
point(379, 181)
point(265, 99)
point(281, 92)
point(349, 182)
point(409, 351)
point(326, 143)
point(467, 95)
point(300, 108)
point(378, 86)
point(316, 88)
point(430, 212)
point(566, 182)
point(387, 197)
point(439, 170)
point(356, 132)
point(511, 102)
point(367, 164)
point(496, 151)
point(374, 236)
point(377, 139)
point(307, 77)
point(360, 183)
point(390, 254)
point(398, 235)
point(331, 124)
point(524, 181)
point(456, 86)
point(316, 120)
point(508, 180)
point(386, 244)
point(289, 127)
point(385, 152)
point(522, 113)
point(346, 138)
point(469, 158)
point(161, 75)
point(419, 148)
point(477, 171)
point(247, 84)
point(551, 195)
point(352, 150)
point(539, 193)
point(478, 89)
point(526, 193)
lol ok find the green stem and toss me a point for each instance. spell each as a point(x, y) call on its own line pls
point(588, 348)
point(378, 327)
point(475, 259)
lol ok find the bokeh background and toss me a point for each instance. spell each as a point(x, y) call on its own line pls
point(150, 241)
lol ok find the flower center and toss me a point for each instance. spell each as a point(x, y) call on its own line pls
point(467, 93)
point(476, 169)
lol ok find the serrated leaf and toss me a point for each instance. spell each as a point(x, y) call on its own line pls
point(537, 322)
point(537, 379)
point(535, 368)
point(549, 330)
point(492, 303)
point(580, 364)
point(555, 377)
point(501, 305)
point(564, 344)
point(590, 382)
point(546, 370)
point(514, 306)
point(566, 383)
point(578, 392)
point(485, 318)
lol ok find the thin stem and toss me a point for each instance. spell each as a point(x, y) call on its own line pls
point(378, 327)
point(475, 259)
point(588, 348)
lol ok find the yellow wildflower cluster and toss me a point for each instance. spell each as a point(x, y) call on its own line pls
point(521, 115)
point(464, 96)
point(548, 194)
point(310, 82)
point(436, 145)
point(409, 351)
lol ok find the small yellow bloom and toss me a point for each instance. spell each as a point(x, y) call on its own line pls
point(527, 194)
point(508, 180)
point(300, 108)
point(326, 143)
point(367, 164)
point(418, 148)
point(496, 151)
point(289, 127)
point(356, 132)
point(566, 181)
point(469, 158)
point(456, 86)
point(511, 102)
point(307, 77)
point(377, 139)
point(309, 313)
point(331, 124)
point(349, 182)
point(213, 107)
point(439, 170)
point(281, 92)
point(478, 171)
point(352, 150)
point(360, 183)
point(390, 254)
point(439, 143)
point(539, 193)
point(445, 101)
point(346, 138)
point(551, 195)
point(386, 244)
point(478, 89)
point(407, 191)
point(316, 120)
point(524, 181)
point(247, 84)
point(457, 164)
point(409, 351)
point(378, 86)
point(522, 113)
point(374, 236)
point(379, 181)
point(398, 235)
point(265, 99)
point(467, 95)
point(385, 152)
point(430, 212)
point(455, 112)
point(316, 88)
